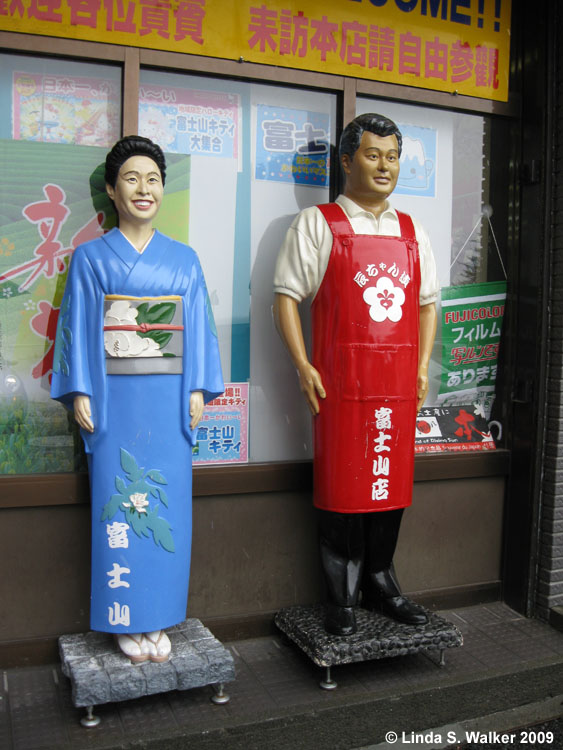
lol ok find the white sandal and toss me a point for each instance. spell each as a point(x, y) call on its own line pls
point(159, 645)
point(134, 646)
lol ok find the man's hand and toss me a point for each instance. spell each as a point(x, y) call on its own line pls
point(196, 408)
point(311, 385)
point(83, 412)
point(421, 388)
point(288, 323)
point(427, 334)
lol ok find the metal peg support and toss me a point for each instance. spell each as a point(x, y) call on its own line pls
point(220, 696)
point(90, 720)
point(328, 683)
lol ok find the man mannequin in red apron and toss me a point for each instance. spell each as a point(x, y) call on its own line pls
point(372, 275)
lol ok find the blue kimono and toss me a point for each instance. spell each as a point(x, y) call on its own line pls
point(136, 335)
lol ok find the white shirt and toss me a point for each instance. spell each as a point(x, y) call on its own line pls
point(305, 252)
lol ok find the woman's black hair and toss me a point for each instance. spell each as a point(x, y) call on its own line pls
point(132, 145)
point(377, 124)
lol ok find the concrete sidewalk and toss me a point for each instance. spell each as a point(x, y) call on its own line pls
point(509, 671)
point(522, 726)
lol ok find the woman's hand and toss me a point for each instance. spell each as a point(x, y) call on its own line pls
point(83, 412)
point(196, 408)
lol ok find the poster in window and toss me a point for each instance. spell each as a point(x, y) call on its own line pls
point(471, 328)
point(292, 145)
point(59, 108)
point(222, 435)
point(418, 162)
point(190, 121)
point(454, 429)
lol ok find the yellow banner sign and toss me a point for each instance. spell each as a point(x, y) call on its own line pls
point(458, 46)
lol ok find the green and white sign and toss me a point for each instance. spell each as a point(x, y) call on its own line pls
point(472, 317)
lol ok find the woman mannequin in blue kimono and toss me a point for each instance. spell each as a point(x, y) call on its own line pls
point(136, 358)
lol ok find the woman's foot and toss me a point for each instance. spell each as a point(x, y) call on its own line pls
point(159, 645)
point(134, 646)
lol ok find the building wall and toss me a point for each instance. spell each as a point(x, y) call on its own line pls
point(251, 555)
point(550, 563)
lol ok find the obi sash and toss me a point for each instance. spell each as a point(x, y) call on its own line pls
point(143, 335)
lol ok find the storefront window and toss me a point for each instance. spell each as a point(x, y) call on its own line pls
point(243, 160)
point(256, 155)
point(59, 117)
point(445, 183)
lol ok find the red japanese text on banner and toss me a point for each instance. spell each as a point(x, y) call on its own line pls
point(460, 46)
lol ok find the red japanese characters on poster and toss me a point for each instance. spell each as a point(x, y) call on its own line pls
point(453, 429)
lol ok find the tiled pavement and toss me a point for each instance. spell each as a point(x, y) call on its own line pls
point(506, 661)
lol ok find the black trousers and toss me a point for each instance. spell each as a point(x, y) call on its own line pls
point(353, 546)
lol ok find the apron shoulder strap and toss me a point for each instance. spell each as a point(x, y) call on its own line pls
point(336, 218)
point(407, 227)
point(408, 234)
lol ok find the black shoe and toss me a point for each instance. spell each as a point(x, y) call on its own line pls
point(340, 620)
point(399, 608)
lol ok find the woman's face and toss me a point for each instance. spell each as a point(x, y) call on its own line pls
point(138, 191)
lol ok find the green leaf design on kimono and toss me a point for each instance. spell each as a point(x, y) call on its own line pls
point(209, 311)
point(156, 476)
point(161, 312)
point(129, 466)
point(161, 531)
point(141, 312)
point(111, 508)
point(133, 503)
point(139, 486)
point(138, 522)
point(63, 340)
point(159, 493)
point(161, 337)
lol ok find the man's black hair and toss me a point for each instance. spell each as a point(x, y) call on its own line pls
point(377, 124)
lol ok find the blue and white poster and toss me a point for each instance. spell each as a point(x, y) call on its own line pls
point(292, 145)
point(188, 121)
point(222, 434)
point(418, 162)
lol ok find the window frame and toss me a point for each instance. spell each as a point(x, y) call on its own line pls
point(35, 490)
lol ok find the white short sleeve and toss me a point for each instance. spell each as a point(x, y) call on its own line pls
point(429, 284)
point(304, 255)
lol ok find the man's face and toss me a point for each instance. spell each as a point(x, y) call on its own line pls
point(373, 172)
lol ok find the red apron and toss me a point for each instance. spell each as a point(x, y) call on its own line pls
point(365, 346)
